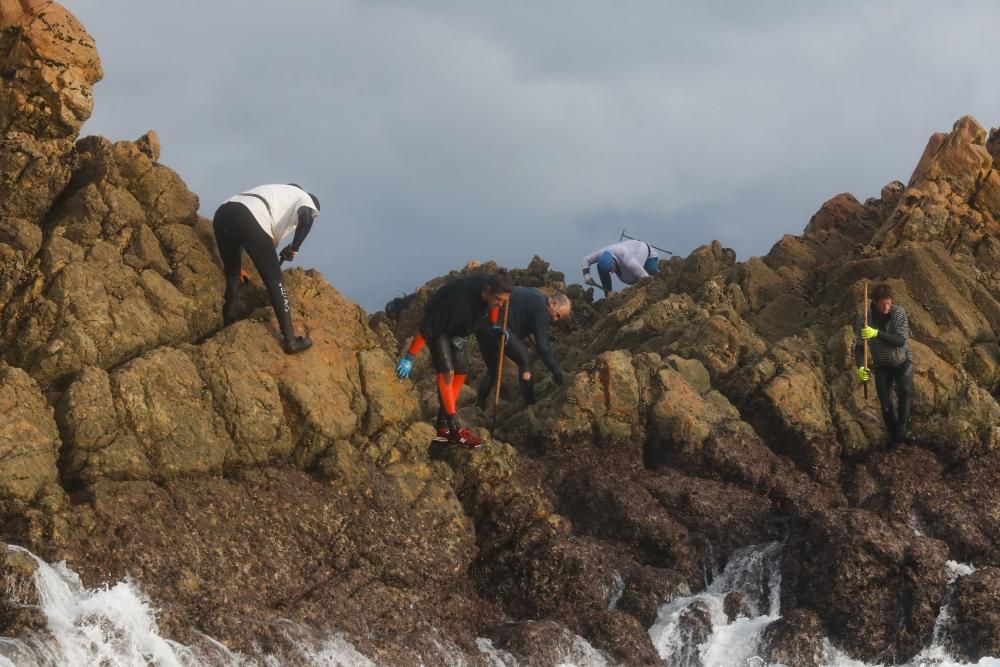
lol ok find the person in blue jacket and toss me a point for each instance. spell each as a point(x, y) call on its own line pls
point(531, 311)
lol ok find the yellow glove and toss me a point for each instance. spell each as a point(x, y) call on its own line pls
point(864, 374)
point(868, 333)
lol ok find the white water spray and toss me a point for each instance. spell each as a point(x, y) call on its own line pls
point(115, 626)
point(695, 631)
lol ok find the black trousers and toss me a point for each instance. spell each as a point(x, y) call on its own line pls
point(235, 230)
point(900, 377)
point(514, 349)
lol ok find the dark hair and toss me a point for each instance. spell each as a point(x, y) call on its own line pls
point(315, 200)
point(395, 308)
point(500, 282)
point(881, 291)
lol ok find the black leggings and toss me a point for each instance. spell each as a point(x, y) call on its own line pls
point(515, 350)
point(448, 355)
point(902, 377)
point(235, 229)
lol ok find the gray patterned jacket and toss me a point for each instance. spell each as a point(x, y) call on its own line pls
point(892, 345)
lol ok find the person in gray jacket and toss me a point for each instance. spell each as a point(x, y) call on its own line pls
point(888, 336)
point(629, 260)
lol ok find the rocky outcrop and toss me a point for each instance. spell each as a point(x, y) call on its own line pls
point(50, 65)
point(795, 640)
point(705, 409)
point(975, 618)
point(738, 372)
point(876, 587)
point(29, 441)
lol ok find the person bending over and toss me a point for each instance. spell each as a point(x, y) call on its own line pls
point(530, 313)
point(259, 220)
point(454, 312)
point(629, 260)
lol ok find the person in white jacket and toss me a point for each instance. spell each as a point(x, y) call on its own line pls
point(259, 220)
point(629, 260)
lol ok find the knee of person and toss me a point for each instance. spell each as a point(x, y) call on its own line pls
point(526, 375)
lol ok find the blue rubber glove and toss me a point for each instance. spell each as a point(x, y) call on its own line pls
point(404, 367)
point(497, 329)
point(868, 333)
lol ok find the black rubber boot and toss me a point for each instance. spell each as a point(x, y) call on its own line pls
point(527, 390)
point(890, 420)
point(297, 344)
point(230, 301)
point(293, 344)
point(483, 391)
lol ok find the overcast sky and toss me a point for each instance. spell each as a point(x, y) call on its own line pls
point(438, 132)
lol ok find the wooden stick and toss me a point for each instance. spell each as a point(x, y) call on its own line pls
point(865, 305)
point(503, 343)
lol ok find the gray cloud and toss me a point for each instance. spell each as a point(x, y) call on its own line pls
point(440, 132)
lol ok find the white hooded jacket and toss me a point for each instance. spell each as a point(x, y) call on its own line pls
point(276, 208)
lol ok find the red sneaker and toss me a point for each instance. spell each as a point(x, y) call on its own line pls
point(464, 437)
point(442, 433)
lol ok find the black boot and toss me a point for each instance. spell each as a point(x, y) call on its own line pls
point(483, 391)
point(889, 417)
point(527, 390)
point(293, 344)
point(229, 301)
point(297, 344)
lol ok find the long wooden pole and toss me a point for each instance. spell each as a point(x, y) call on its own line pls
point(865, 306)
point(503, 343)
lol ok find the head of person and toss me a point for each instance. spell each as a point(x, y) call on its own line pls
point(882, 299)
point(559, 306)
point(498, 288)
point(652, 265)
point(606, 262)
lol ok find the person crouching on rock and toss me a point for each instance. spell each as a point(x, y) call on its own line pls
point(888, 336)
point(529, 315)
point(629, 260)
point(259, 220)
point(454, 312)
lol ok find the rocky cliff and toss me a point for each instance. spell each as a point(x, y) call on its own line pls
point(706, 409)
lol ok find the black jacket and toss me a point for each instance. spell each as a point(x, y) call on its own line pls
point(529, 316)
point(456, 309)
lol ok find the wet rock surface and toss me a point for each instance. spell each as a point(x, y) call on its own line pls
point(975, 619)
point(705, 409)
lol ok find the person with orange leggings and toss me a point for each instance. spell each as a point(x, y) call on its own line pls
point(452, 314)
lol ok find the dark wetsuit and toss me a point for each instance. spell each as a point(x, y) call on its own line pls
point(453, 313)
point(236, 228)
point(528, 316)
point(891, 364)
